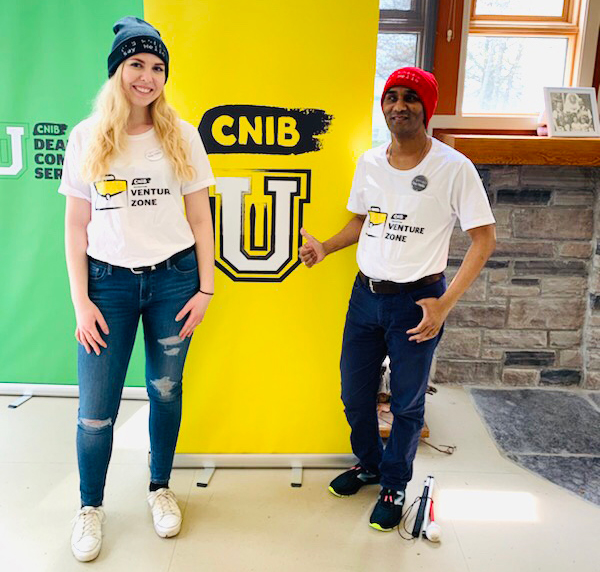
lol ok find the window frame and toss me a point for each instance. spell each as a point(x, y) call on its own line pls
point(453, 54)
point(420, 20)
point(568, 15)
point(564, 26)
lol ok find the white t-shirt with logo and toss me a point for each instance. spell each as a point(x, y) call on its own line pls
point(410, 214)
point(138, 216)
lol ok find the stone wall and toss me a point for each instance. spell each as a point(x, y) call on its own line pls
point(533, 315)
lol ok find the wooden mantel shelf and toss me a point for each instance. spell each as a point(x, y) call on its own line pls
point(526, 150)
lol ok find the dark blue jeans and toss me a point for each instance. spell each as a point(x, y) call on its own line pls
point(376, 326)
point(123, 297)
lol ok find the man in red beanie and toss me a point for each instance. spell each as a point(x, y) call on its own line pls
point(406, 197)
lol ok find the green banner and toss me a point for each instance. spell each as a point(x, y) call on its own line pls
point(54, 61)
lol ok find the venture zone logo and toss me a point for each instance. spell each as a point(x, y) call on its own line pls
point(258, 216)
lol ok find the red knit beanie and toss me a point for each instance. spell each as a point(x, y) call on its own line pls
point(422, 82)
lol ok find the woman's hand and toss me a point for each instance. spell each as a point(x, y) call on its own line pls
point(196, 308)
point(88, 318)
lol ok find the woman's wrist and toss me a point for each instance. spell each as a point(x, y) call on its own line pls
point(205, 292)
point(80, 300)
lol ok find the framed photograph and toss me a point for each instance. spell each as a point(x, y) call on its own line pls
point(572, 112)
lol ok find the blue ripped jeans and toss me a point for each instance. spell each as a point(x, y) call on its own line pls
point(123, 297)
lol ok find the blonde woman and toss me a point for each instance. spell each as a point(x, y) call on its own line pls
point(133, 251)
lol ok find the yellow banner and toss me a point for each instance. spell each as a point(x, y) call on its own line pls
point(282, 92)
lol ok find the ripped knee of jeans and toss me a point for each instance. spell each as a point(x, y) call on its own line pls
point(95, 424)
point(165, 389)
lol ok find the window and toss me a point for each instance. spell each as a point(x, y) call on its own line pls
point(514, 49)
point(406, 36)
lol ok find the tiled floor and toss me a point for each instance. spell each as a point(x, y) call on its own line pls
point(495, 516)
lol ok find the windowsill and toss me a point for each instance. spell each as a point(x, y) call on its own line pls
point(525, 149)
point(502, 116)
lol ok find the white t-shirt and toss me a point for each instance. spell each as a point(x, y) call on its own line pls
point(411, 214)
point(138, 217)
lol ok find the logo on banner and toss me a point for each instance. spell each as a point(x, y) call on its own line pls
point(12, 150)
point(258, 213)
point(49, 144)
point(263, 129)
point(258, 216)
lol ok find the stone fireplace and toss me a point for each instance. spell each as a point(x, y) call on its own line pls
point(532, 318)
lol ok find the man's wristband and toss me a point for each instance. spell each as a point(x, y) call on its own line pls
point(207, 293)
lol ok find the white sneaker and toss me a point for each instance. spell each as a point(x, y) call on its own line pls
point(86, 539)
point(165, 512)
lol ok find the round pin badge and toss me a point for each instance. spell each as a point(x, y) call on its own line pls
point(419, 183)
point(154, 154)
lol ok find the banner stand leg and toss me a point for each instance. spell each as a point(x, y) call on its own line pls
point(25, 397)
point(296, 477)
point(204, 476)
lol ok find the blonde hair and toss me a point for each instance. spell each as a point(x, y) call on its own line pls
point(109, 135)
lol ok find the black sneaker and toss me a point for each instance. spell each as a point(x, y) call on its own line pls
point(388, 511)
point(349, 482)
